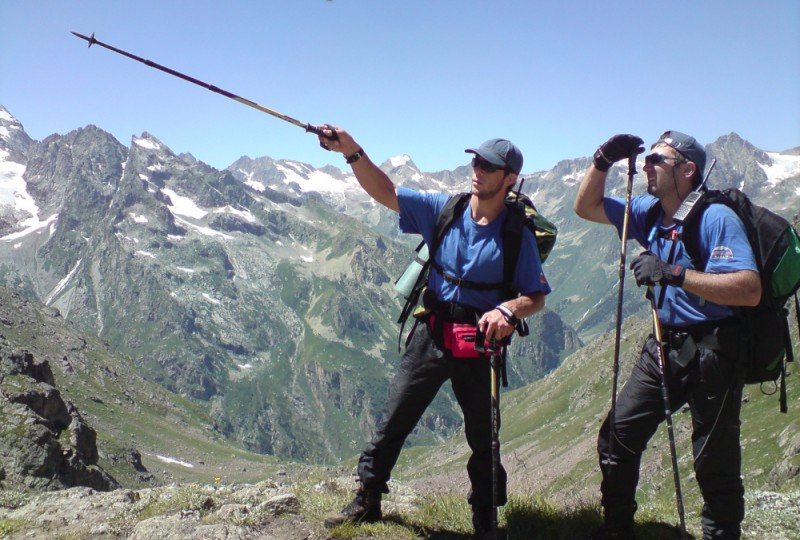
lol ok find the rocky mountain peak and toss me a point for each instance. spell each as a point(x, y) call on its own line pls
point(13, 139)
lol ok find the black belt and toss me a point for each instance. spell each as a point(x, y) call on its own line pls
point(450, 311)
point(701, 333)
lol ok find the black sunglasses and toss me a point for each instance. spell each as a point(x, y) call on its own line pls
point(484, 165)
point(655, 159)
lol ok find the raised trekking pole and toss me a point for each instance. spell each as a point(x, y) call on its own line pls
point(612, 417)
point(667, 411)
point(308, 127)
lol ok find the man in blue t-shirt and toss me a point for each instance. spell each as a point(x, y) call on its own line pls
point(460, 290)
point(700, 333)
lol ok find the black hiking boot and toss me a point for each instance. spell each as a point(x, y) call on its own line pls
point(608, 533)
point(365, 508)
point(482, 523)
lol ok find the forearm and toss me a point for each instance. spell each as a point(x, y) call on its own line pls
point(494, 322)
point(376, 183)
point(525, 305)
point(589, 202)
point(741, 288)
point(371, 178)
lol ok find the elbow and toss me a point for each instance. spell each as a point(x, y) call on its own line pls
point(538, 303)
point(579, 209)
point(751, 293)
point(754, 296)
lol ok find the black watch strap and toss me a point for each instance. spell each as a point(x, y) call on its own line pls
point(355, 156)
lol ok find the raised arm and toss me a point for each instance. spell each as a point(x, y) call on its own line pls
point(372, 179)
point(589, 202)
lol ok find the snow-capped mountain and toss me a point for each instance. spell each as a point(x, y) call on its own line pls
point(250, 289)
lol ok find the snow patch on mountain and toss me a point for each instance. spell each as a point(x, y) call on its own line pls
point(314, 180)
point(14, 189)
point(35, 227)
point(61, 285)
point(399, 161)
point(174, 461)
point(211, 299)
point(207, 231)
point(183, 206)
point(244, 214)
point(783, 166)
point(149, 144)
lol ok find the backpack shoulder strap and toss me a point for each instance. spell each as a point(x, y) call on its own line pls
point(691, 228)
point(454, 206)
point(651, 218)
point(512, 241)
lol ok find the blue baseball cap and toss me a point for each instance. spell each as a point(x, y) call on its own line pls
point(686, 146)
point(500, 152)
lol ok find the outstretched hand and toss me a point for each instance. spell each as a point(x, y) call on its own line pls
point(336, 139)
point(616, 148)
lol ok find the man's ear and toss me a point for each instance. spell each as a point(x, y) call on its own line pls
point(690, 170)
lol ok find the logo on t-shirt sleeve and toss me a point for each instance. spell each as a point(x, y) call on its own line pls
point(721, 253)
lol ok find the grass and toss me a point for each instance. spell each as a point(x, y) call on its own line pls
point(11, 526)
point(529, 516)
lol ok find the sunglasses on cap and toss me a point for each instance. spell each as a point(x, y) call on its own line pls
point(482, 164)
point(655, 159)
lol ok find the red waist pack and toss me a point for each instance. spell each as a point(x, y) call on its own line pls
point(459, 339)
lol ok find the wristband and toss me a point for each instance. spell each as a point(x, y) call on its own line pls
point(355, 156)
point(601, 162)
point(508, 315)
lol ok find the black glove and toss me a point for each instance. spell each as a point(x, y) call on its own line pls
point(650, 270)
point(616, 148)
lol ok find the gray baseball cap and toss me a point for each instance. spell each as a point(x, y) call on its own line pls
point(500, 152)
point(686, 146)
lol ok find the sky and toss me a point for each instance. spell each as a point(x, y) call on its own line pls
point(423, 78)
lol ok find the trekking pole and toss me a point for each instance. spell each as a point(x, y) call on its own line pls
point(612, 417)
point(495, 365)
point(308, 127)
point(667, 412)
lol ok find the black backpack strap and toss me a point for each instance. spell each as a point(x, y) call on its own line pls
point(651, 217)
point(513, 230)
point(454, 206)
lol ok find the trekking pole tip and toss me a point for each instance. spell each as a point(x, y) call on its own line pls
point(90, 39)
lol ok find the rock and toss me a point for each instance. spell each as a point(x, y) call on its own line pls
point(35, 455)
point(280, 504)
point(232, 512)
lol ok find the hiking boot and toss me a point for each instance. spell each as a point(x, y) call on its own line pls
point(364, 508)
point(608, 533)
point(482, 522)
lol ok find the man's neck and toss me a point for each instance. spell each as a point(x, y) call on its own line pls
point(484, 211)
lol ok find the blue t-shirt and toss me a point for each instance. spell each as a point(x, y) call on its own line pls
point(469, 251)
point(722, 242)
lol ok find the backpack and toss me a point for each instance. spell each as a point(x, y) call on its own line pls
point(776, 249)
point(521, 213)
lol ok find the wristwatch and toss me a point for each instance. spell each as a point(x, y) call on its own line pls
point(355, 156)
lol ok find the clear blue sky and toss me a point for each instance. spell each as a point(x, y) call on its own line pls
point(426, 78)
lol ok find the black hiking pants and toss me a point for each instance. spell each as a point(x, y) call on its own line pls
point(422, 371)
point(711, 383)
